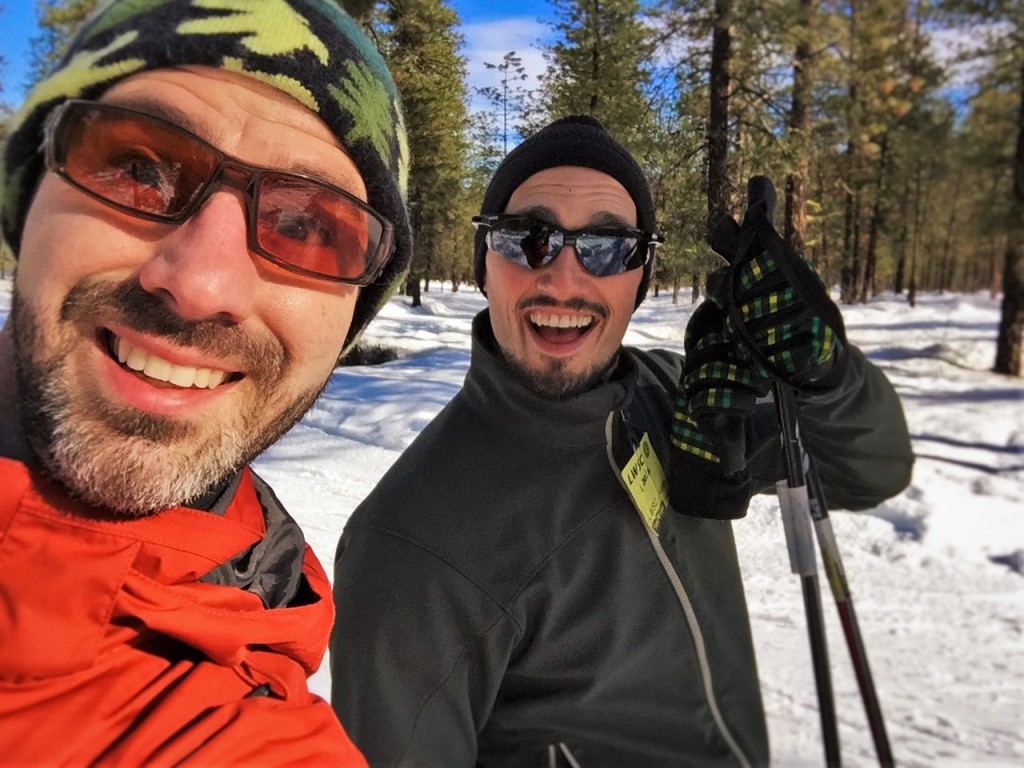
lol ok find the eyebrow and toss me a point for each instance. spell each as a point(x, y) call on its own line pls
point(597, 219)
point(204, 130)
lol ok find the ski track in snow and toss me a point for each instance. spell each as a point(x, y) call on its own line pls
point(935, 572)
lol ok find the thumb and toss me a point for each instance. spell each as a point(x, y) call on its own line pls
point(716, 287)
point(724, 238)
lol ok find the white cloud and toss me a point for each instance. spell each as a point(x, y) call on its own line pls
point(489, 41)
point(962, 50)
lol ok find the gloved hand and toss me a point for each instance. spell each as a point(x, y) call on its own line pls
point(716, 393)
point(719, 386)
point(779, 311)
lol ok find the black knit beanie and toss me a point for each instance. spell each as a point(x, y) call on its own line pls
point(310, 49)
point(578, 140)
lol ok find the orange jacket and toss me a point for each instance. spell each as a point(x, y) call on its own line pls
point(112, 651)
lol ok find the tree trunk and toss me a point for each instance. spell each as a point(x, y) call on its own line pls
point(1011, 324)
point(868, 287)
point(995, 270)
point(948, 257)
point(595, 57)
point(912, 290)
point(948, 254)
point(900, 247)
point(795, 225)
point(849, 287)
point(412, 290)
point(718, 119)
point(819, 255)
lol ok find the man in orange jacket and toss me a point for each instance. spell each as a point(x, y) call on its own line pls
point(207, 204)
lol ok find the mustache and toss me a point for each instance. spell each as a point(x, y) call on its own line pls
point(138, 309)
point(577, 304)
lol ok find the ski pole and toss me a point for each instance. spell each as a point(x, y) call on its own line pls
point(794, 506)
point(760, 188)
point(848, 618)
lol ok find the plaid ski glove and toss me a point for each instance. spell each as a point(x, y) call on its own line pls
point(717, 391)
point(779, 311)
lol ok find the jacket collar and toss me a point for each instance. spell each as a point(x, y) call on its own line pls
point(494, 392)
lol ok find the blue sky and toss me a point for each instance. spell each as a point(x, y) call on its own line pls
point(491, 29)
point(17, 25)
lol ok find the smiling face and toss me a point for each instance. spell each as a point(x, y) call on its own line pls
point(154, 360)
point(559, 327)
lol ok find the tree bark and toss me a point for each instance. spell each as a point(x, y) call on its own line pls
point(1011, 325)
point(900, 247)
point(868, 288)
point(412, 290)
point(795, 224)
point(718, 119)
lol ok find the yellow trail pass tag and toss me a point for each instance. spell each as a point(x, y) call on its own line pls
point(646, 482)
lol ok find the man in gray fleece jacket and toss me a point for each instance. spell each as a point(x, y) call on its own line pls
point(523, 587)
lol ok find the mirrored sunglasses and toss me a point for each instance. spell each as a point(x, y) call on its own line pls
point(601, 251)
point(156, 170)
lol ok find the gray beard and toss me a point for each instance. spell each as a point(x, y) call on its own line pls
point(123, 462)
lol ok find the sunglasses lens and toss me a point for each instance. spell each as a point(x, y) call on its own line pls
point(316, 229)
point(605, 255)
point(136, 163)
point(524, 243)
point(534, 244)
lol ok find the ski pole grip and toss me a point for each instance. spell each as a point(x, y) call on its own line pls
point(760, 189)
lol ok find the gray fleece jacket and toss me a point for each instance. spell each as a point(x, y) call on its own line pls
point(500, 601)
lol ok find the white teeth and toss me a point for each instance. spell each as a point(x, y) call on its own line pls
point(561, 321)
point(183, 377)
point(157, 368)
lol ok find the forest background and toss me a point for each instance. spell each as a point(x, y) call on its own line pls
point(894, 129)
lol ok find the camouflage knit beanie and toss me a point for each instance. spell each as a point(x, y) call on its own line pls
point(309, 49)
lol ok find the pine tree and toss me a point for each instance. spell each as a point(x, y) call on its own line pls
point(678, 183)
point(420, 41)
point(58, 21)
point(1002, 23)
point(600, 66)
point(508, 97)
point(875, 91)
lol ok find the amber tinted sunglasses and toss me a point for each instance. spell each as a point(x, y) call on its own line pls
point(154, 169)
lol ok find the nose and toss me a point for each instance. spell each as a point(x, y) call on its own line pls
point(564, 276)
point(203, 268)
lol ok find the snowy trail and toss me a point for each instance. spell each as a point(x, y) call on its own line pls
point(941, 613)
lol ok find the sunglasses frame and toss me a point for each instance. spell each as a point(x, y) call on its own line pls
point(647, 241)
point(230, 172)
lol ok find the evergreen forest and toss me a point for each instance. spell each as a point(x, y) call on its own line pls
point(893, 129)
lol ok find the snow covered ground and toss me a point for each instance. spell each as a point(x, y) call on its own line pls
point(937, 573)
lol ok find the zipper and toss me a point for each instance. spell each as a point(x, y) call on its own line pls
point(707, 678)
point(554, 750)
